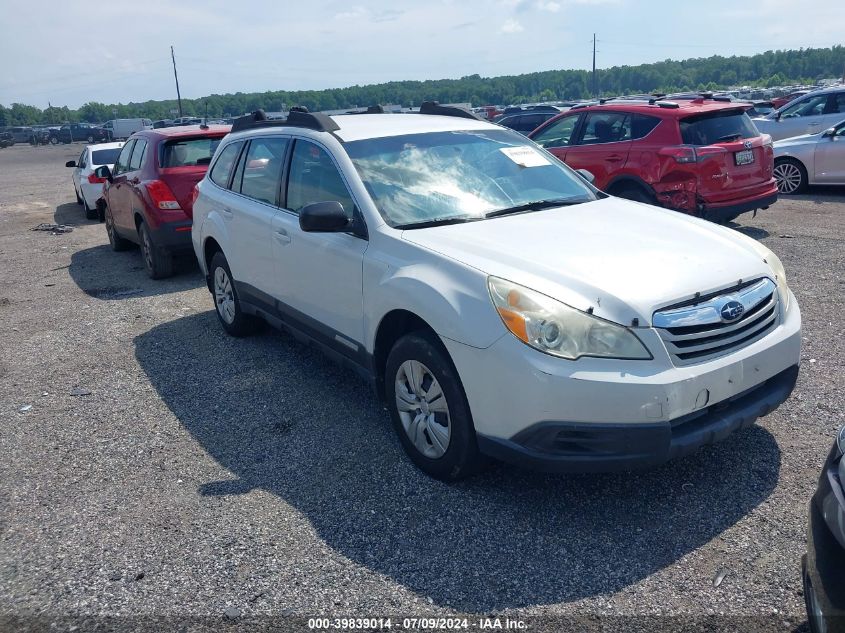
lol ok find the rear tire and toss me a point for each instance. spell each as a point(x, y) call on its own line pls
point(90, 214)
point(790, 175)
point(157, 262)
point(429, 409)
point(79, 199)
point(637, 194)
point(117, 243)
point(226, 302)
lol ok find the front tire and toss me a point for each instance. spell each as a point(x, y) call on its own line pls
point(54, 140)
point(90, 139)
point(157, 262)
point(429, 409)
point(790, 175)
point(637, 194)
point(226, 302)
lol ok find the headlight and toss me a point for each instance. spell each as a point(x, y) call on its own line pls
point(554, 328)
point(777, 268)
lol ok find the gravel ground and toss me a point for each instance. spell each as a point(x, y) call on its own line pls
point(199, 474)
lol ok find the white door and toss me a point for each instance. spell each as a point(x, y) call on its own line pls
point(830, 158)
point(249, 212)
point(319, 275)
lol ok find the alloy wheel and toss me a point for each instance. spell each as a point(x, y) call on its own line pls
point(788, 177)
point(423, 409)
point(224, 297)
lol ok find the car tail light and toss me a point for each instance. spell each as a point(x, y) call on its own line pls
point(162, 196)
point(92, 178)
point(691, 154)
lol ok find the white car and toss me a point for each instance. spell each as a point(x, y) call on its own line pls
point(500, 304)
point(815, 112)
point(811, 159)
point(88, 187)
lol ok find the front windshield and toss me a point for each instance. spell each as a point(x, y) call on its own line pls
point(441, 176)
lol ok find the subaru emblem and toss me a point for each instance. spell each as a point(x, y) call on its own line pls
point(731, 311)
point(748, 144)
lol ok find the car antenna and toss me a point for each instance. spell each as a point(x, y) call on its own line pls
point(204, 125)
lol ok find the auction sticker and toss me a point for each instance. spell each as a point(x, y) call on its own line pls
point(525, 156)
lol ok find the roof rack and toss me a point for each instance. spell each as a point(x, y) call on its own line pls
point(666, 104)
point(297, 117)
point(434, 107)
point(373, 109)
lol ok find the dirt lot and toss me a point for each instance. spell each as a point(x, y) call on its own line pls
point(201, 473)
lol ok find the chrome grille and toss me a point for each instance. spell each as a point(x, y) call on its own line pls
point(697, 332)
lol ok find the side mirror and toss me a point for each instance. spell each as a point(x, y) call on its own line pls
point(829, 132)
point(586, 175)
point(777, 115)
point(324, 217)
point(70, 163)
point(104, 172)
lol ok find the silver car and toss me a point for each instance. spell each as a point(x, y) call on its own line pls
point(810, 114)
point(811, 159)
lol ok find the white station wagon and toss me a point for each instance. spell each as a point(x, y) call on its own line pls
point(500, 304)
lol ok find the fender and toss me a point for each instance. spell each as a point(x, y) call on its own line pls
point(213, 226)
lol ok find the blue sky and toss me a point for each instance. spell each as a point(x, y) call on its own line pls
point(75, 51)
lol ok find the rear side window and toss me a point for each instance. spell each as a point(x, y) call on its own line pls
point(721, 126)
point(105, 156)
point(188, 152)
point(219, 174)
point(642, 125)
point(138, 155)
point(260, 170)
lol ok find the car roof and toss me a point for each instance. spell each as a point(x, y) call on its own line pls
point(184, 130)
point(356, 127)
point(98, 146)
point(678, 109)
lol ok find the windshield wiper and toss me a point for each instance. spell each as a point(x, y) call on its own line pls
point(728, 137)
point(438, 222)
point(536, 206)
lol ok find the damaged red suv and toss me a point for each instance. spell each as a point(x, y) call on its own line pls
point(701, 157)
point(148, 194)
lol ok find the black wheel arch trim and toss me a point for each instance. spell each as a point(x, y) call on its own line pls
point(631, 179)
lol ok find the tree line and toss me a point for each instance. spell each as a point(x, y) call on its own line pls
point(772, 68)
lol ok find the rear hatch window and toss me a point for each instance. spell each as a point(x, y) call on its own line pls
point(104, 156)
point(721, 126)
point(188, 152)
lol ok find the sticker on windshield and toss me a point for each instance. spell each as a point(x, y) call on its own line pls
point(525, 156)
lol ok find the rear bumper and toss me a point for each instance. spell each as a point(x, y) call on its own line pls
point(557, 446)
point(173, 236)
point(724, 212)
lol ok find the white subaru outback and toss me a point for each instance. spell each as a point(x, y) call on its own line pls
point(501, 305)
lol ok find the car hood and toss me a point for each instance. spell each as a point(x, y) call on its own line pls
point(623, 259)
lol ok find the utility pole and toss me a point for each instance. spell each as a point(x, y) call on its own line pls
point(176, 77)
point(595, 85)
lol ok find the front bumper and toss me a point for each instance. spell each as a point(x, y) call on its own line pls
point(601, 414)
point(824, 565)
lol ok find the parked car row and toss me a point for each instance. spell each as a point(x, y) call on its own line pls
point(424, 250)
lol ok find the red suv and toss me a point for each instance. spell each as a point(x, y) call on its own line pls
point(702, 157)
point(149, 193)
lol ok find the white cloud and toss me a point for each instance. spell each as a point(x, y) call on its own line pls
point(512, 26)
point(548, 5)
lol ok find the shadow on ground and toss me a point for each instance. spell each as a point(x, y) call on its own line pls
point(751, 231)
point(71, 213)
point(284, 419)
point(100, 272)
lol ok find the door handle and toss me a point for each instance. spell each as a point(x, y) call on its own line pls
point(282, 236)
point(614, 158)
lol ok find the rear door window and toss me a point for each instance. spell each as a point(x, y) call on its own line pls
point(138, 155)
point(721, 126)
point(606, 127)
point(260, 170)
point(809, 106)
point(122, 163)
point(222, 169)
point(105, 156)
point(642, 125)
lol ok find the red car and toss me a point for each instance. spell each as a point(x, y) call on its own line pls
point(149, 193)
point(702, 157)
